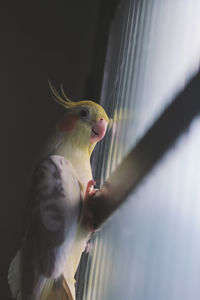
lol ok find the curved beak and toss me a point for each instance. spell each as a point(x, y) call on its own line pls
point(98, 130)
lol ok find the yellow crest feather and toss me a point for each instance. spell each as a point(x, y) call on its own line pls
point(65, 101)
point(69, 104)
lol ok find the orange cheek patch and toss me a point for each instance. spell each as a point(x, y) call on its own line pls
point(68, 122)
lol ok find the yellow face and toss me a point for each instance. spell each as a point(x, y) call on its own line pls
point(85, 122)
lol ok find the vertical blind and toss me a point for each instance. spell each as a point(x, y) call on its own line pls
point(150, 248)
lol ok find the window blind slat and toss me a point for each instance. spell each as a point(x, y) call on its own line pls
point(150, 248)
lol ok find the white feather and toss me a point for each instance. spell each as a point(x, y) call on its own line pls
point(14, 275)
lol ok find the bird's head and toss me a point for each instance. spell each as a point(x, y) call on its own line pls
point(83, 124)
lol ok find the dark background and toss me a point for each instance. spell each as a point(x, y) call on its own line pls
point(64, 41)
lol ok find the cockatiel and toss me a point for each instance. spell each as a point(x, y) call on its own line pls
point(56, 235)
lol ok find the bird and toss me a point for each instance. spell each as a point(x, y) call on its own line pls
point(62, 183)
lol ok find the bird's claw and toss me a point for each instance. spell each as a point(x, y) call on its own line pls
point(89, 191)
point(89, 194)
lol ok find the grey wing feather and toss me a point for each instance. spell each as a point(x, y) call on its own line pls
point(53, 213)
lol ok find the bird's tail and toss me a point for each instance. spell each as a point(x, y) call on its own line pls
point(56, 290)
point(50, 289)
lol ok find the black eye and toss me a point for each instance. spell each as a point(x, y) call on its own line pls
point(84, 113)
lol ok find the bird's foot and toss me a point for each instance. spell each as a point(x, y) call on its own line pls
point(89, 191)
point(89, 194)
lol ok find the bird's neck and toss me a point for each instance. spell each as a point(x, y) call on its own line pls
point(79, 158)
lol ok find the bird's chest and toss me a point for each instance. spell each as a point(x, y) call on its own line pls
point(80, 161)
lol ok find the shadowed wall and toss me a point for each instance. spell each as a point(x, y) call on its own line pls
point(39, 40)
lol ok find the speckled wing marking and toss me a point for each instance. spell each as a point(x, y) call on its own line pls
point(53, 212)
